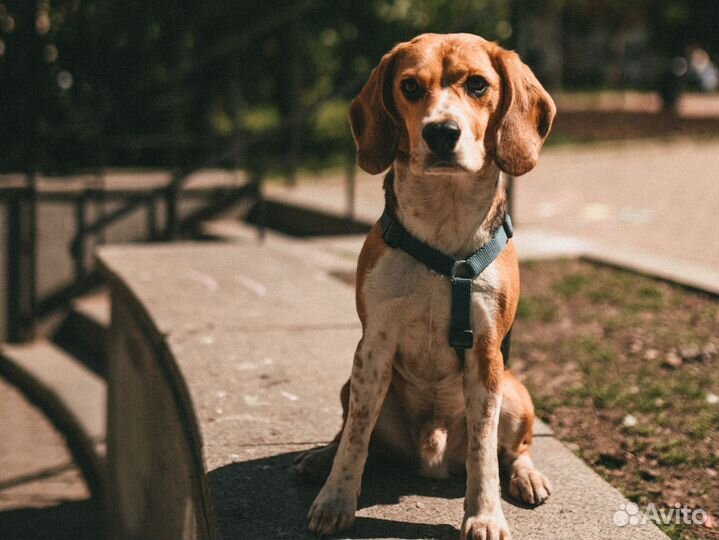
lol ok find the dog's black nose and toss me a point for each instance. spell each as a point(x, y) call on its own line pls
point(441, 137)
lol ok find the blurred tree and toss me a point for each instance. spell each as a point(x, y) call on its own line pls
point(677, 26)
point(612, 43)
point(101, 82)
point(87, 83)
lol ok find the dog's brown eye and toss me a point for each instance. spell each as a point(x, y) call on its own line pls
point(476, 85)
point(411, 89)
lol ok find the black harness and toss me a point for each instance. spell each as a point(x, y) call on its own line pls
point(460, 272)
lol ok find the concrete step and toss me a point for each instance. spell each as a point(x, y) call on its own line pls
point(72, 397)
point(83, 331)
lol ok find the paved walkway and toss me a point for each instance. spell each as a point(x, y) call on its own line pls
point(650, 205)
point(42, 492)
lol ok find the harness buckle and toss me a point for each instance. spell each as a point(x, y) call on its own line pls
point(461, 339)
point(461, 269)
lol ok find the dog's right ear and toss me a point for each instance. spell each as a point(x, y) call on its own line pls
point(373, 122)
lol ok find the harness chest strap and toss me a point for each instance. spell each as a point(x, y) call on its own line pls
point(460, 272)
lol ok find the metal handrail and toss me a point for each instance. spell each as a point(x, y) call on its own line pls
point(20, 198)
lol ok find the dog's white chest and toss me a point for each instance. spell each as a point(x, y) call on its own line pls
point(415, 304)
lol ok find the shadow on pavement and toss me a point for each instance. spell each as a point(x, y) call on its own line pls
point(72, 520)
point(264, 498)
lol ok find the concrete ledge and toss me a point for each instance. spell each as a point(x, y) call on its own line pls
point(534, 243)
point(227, 360)
point(684, 273)
point(156, 487)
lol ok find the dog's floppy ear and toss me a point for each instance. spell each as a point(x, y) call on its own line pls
point(527, 114)
point(374, 127)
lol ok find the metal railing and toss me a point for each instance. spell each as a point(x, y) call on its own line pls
point(22, 196)
point(20, 258)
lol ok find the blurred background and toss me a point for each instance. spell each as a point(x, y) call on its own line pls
point(158, 120)
point(110, 109)
point(97, 83)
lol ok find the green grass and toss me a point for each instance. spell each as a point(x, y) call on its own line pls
point(618, 288)
point(571, 285)
point(542, 308)
point(675, 530)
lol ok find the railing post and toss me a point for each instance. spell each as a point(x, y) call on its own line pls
point(97, 193)
point(21, 253)
point(261, 207)
point(152, 218)
point(171, 211)
point(79, 252)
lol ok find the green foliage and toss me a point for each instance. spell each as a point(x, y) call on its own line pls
point(675, 531)
point(101, 82)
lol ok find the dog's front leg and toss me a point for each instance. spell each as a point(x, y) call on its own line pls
point(334, 508)
point(483, 516)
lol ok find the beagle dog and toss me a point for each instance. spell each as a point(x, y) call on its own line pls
point(445, 114)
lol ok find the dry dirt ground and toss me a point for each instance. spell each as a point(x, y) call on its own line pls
point(586, 117)
point(624, 369)
point(590, 126)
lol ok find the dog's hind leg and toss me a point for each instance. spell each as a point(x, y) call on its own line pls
point(390, 440)
point(516, 419)
point(315, 465)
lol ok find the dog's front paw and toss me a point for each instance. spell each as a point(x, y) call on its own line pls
point(486, 527)
point(333, 510)
point(530, 486)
